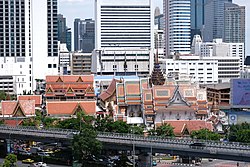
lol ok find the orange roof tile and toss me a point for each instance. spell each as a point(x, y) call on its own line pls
point(37, 98)
point(68, 107)
point(191, 125)
point(27, 106)
point(13, 123)
point(70, 78)
point(8, 107)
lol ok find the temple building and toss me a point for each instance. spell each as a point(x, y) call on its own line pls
point(137, 102)
point(67, 94)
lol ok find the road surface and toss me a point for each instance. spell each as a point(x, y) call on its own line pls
point(20, 164)
point(206, 163)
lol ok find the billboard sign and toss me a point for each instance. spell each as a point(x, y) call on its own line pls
point(240, 93)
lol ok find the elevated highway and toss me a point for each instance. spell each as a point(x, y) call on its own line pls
point(113, 141)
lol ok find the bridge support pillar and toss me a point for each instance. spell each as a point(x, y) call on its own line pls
point(144, 160)
point(9, 146)
point(185, 160)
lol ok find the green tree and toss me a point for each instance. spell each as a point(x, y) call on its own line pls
point(239, 133)
point(243, 135)
point(10, 160)
point(165, 130)
point(34, 121)
point(103, 124)
point(50, 122)
point(85, 144)
point(2, 95)
point(136, 130)
point(108, 125)
point(119, 127)
point(205, 134)
point(71, 123)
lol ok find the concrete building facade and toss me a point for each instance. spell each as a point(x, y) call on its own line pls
point(119, 61)
point(81, 63)
point(196, 69)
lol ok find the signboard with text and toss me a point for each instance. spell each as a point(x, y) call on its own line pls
point(240, 93)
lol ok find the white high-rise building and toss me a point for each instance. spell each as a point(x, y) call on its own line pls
point(26, 31)
point(124, 37)
point(230, 56)
point(198, 70)
point(177, 26)
point(124, 24)
point(45, 38)
point(217, 48)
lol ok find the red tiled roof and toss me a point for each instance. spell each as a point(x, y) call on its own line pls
point(28, 106)
point(68, 107)
point(70, 78)
point(110, 90)
point(191, 125)
point(37, 98)
point(74, 81)
point(13, 123)
point(10, 107)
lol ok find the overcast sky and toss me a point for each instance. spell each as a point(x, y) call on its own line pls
point(83, 9)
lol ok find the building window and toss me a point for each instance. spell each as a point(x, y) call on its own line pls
point(125, 66)
point(136, 67)
point(114, 67)
point(49, 65)
point(54, 65)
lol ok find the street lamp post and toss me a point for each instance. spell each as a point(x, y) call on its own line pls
point(151, 157)
point(133, 144)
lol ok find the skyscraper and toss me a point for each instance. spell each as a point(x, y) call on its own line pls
point(84, 35)
point(124, 37)
point(45, 38)
point(234, 23)
point(214, 19)
point(16, 44)
point(177, 26)
point(28, 42)
point(197, 17)
point(52, 28)
point(64, 33)
point(125, 24)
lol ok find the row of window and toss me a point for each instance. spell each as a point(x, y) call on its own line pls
point(52, 66)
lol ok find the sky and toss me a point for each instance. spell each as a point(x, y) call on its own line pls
point(84, 9)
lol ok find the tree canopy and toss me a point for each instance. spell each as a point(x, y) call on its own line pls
point(240, 133)
point(85, 144)
point(205, 134)
point(10, 160)
point(165, 130)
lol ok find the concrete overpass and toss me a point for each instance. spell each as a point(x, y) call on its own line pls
point(141, 144)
